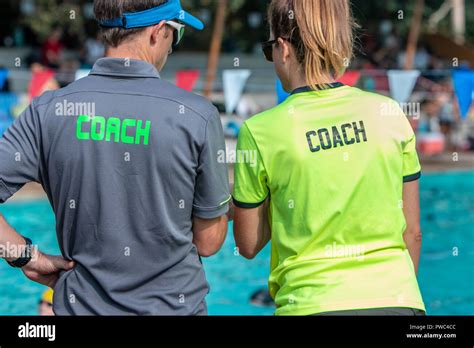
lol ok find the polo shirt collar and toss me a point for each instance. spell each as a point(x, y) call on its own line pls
point(308, 89)
point(122, 67)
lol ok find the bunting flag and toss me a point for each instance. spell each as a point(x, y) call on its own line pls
point(81, 73)
point(464, 89)
point(187, 79)
point(402, 83)
point(38, 82)
point(350, 78)
point(234, 85)
point(282, 95)
point(3, 77)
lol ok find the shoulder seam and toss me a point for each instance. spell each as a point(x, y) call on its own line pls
point(135, 94)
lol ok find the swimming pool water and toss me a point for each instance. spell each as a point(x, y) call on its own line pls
point(446, 274)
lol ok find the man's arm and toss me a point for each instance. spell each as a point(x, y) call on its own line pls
point(411, 209)
point(209, 235)
point(212, 194)
point(251, 230)
point(19, 164)
point(10, 241)
point(42, 268)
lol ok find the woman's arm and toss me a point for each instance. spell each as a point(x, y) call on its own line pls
point(251, 230)
point(411, 209)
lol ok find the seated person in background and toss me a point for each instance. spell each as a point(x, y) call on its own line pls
point(52, 50)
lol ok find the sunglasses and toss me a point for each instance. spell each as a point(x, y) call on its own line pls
point(178, 33)
point(267, 48)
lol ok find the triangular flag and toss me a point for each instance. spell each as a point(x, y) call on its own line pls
point(402, 83)
point(234, 84)
point(281, 93)
point(38, 82)
point(3, 77)
point(350, 78)
point(186, 79)
point(81, 73)
point(464, 88)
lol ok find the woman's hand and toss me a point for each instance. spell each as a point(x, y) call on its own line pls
point(45, 269)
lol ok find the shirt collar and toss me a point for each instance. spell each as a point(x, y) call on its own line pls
point(124, 67)
point(309, 89)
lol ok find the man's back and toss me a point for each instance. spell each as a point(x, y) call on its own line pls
point(127, 160)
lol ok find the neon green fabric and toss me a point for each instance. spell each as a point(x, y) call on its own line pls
point(334, 163)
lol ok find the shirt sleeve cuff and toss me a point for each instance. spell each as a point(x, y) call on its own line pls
point(212, 212)
point(248, 205)
point(413, 177)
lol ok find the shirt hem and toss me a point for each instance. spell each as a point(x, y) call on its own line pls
point(347, 307)
point(5, 193)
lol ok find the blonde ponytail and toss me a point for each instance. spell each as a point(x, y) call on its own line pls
point(321, 32)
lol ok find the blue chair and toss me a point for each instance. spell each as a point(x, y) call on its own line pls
point(7, 102)
point(281, 94)
point(3, 77)
point(4, 126)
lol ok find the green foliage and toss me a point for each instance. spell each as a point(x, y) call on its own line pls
point(51, 13)
point(367, 11)
point(239, 36)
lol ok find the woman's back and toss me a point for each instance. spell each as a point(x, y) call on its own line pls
point(333, 162)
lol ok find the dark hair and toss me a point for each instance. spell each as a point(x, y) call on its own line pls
point(111, 9)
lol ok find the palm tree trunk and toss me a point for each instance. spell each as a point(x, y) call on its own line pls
point(414, 34)
point(215, 50)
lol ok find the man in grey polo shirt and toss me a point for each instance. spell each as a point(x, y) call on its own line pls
point(130, 165)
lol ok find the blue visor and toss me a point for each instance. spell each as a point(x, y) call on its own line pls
point(170, 10)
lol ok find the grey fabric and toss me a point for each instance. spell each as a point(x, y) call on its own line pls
point(377, 312)
point(124, 203)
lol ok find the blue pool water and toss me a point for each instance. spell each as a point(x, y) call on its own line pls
point(446, 272)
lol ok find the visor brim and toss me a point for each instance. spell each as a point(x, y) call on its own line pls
point(190, 20)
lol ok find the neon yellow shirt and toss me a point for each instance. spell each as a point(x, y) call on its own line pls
point(333, 163)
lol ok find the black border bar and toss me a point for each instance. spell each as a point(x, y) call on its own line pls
point(289, 331)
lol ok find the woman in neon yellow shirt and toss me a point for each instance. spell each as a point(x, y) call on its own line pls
point(335, 186)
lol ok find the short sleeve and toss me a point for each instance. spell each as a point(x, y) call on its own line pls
point(19, 154)
point(212, 192)
point(411, 162)
point(250, 188)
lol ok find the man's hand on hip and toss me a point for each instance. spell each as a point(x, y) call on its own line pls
point(45, 269)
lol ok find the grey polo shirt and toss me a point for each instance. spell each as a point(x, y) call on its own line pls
point(126, 160)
